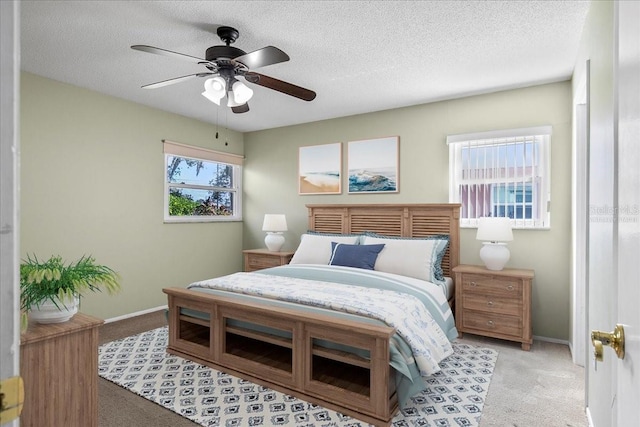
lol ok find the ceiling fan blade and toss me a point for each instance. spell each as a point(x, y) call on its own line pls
point(165, 52)
point(174, 80)
point(280, 86)
point(240, 108)
point(262, 57)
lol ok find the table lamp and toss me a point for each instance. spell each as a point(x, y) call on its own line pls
point(494, 231)
point(274, 225)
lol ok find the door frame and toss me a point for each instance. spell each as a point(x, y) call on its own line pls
point(9, 191)
point(580, 220)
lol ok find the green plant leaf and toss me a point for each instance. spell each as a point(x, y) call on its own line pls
point(46, 280)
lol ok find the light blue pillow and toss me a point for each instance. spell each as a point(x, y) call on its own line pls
point(358, 256)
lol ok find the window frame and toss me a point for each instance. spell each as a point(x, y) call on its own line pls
point(175, 149)
point(542, 136)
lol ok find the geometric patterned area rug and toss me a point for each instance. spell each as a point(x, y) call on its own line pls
point(139, 363)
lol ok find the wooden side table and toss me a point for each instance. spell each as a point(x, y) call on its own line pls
point(494, 303)
point(257, 259)
point(59, 366)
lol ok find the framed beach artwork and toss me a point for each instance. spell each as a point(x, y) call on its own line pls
point(373, 165)
point(319, 169)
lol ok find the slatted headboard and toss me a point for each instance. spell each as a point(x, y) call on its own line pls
point(400, 220)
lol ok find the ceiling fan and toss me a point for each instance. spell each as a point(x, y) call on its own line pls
point(225, 63)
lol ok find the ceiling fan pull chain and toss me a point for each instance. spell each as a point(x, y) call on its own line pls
point(217, 114)
point(226, 127)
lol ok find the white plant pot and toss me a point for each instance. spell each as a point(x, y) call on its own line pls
point(48, 312)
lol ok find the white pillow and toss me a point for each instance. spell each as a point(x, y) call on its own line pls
point(316, 248)
point(419, 258)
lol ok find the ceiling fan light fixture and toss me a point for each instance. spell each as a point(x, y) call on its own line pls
point(214, 89)
point(241, 93)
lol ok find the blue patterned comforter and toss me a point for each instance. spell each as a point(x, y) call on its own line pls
point(418, 310)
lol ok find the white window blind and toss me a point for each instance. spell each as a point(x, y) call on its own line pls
point(501, 173)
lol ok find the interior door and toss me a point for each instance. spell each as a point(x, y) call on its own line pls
point(614, 228)
point(628, 76)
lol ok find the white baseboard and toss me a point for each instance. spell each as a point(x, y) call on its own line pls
point(137, 313)
point(553, 340)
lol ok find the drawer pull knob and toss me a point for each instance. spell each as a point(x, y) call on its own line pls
point(510, 287)
point(489, 303)
point(473, 284)
point(490, 323)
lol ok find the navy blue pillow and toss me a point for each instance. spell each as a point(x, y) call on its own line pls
point(358, 256)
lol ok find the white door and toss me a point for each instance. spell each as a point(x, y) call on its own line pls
point(614, 228)
point(628, 73)
point(9, 74)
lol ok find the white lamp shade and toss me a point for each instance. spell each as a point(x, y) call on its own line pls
point(274, 222)
point(214, 89)
point(241, 93)
point(215, 84)
point(494, 229)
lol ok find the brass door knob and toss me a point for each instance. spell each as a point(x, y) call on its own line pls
point(598, 352)
point(614, 339)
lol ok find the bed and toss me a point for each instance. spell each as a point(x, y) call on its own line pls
point(289, 336)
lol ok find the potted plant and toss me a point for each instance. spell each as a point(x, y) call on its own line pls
point(50, 290)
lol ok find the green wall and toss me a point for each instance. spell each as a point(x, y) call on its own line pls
point(271, 186)
point(92, 183)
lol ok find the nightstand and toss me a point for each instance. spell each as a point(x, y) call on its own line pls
point(494, 303)
point(257, 259)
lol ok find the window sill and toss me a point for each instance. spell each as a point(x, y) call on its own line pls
point(514, 227)
point(201, 220)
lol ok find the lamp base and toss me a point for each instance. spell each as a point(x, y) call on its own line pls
point(494, 255)
point(274, 241)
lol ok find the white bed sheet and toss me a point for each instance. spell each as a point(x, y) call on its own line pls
point(448, 281)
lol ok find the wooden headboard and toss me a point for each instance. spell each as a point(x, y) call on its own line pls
point(400, 220)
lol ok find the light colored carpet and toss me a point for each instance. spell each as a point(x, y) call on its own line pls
point(453, 397)
point(537, 388)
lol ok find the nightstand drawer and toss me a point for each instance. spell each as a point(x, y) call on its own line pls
point(258, 262)
point(494, 285)
point(257, 259)
point(496, 323)
point(492, 304)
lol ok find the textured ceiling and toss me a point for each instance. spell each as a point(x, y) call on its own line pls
point(359, 56)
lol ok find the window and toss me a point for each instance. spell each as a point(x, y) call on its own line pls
point(503, 174)
point(201, 185)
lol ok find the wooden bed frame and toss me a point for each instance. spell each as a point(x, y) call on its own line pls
point(292, 362)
